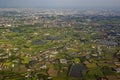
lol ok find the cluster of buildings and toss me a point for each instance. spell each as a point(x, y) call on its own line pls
point(91, 40)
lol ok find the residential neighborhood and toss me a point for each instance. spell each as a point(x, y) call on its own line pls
point(39, 44)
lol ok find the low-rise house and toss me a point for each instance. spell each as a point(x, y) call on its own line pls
point(43, 66)
point(117, 70)
point(63, 61)
point(117, 63)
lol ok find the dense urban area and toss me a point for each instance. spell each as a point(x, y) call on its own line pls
point(64, 44)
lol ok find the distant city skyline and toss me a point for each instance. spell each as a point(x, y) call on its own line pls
point(61, 4)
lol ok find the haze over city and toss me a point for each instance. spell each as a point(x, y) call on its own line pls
point(114, 4)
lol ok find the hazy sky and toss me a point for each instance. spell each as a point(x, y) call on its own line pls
point(61, 3)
